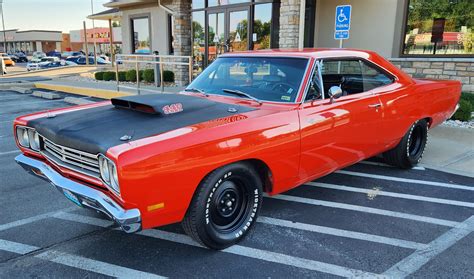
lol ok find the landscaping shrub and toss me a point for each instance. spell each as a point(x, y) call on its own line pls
point(168, 76)
point(148, 75)
point(99, 75)
point(131, 75)
point(468, 97)
point(464, 112)
point(109, 76)
point(122, 76)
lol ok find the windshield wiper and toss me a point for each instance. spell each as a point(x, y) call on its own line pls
point(196, 90)
point(242, 94)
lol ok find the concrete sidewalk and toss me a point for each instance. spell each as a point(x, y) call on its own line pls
point(451, 150)
point(104, 90)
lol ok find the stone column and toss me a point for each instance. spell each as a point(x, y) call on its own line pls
point(289, 23)
point(182, 38)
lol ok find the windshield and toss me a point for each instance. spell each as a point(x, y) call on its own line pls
point(275, 79)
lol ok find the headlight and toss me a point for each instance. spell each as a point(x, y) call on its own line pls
point(22, 136)
point(108, 172)
point(104, 169)
point(34, 140)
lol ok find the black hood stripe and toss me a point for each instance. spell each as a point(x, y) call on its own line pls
point(95, 130)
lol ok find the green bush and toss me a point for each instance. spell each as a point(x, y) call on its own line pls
point(168, 76)
point(468, 97)
point(109, 76)
point(464, 112)
point(99, 75)
point(131, 75)
point(122, 76)
point(148, 75)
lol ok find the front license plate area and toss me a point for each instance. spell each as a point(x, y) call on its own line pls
point(72, 197)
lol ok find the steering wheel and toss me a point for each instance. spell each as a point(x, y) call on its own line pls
point(283, 87)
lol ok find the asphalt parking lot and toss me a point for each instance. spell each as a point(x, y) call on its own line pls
point(368, 220)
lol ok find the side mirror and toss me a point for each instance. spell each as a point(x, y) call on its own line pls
point(335, 92)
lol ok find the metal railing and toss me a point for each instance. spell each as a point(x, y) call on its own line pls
point(158, 62)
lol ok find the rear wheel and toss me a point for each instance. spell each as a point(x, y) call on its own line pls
point(225, 206)
point(409, 151)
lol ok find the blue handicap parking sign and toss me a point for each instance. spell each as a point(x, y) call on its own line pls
point(343, 18)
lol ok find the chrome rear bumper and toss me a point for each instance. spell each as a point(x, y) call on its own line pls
point(129, 220)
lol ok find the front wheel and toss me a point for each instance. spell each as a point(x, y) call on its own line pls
point(409, 151)
point(225, 206)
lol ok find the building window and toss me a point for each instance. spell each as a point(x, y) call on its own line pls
point(141, 35)
point(439, 27)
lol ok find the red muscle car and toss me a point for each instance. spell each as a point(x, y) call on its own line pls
point(250, 123)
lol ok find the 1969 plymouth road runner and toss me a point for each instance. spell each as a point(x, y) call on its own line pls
point(250, 123)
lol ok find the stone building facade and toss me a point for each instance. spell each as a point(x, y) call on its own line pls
point(440, 68)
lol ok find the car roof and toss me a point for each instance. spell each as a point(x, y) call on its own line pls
point(316, 53)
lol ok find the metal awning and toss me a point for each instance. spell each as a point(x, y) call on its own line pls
point(111, 14)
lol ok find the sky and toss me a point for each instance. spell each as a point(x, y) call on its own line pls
point(56, 15)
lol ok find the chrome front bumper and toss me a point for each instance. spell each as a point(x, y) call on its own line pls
point(129, 220)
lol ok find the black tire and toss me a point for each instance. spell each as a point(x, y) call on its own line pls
point(409, 151)
point(213, 219)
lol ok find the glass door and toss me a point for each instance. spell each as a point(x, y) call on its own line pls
point(228, 31)
point(215, 35)
point(238, 30)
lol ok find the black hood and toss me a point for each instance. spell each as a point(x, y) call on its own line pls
point(95, 130)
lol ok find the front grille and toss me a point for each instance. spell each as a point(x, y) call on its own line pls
point(80, 161)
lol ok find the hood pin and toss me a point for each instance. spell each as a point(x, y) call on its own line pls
point(126, 138)
point(232, 110)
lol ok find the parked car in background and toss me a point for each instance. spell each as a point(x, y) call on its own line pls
point(19, 57)
point(68, 54)
point(37, 55)
point(33, 66)
point(54, 53)
point(100, 61)
point(57, 64)
point(8, 61)
point(250, 123)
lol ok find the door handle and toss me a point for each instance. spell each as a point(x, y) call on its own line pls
point(375, 105)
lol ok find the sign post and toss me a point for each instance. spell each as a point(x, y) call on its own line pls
point(343, 23)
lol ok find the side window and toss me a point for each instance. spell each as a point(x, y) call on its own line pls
point(373, 77)
point(353, 76)
point(315, 91)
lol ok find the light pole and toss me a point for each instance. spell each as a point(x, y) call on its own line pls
point(93, 34)
point(4, 33)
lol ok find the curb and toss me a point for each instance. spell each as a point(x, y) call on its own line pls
point(77, 101)
point(82, 91)
point(46, 95)
point(22, 90)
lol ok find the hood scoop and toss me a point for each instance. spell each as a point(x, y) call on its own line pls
point(163, 104)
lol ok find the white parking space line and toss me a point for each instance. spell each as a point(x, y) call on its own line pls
point(237, 250)
point(33, 219)
point(365, 209)
point(76, 261)
point(33, 103)
point(415, 181)
point(10, 152)
point(342, 233)
point(93, 265)
point(385, 165)
point(376, 192)
point(415, 261)
point(17, 248)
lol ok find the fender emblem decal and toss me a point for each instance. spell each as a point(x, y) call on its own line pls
point(173, 108)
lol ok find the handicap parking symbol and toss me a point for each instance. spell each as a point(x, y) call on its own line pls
point(343, 18)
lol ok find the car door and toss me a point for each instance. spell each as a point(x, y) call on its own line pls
point(339, 132)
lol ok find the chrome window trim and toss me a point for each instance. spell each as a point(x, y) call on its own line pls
point(317, 65)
